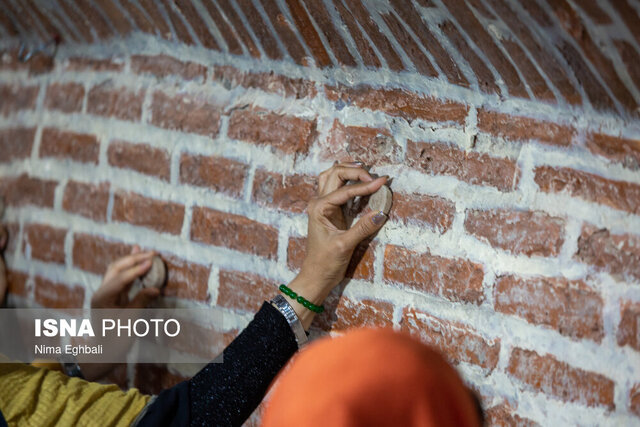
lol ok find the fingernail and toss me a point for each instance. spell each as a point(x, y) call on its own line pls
point(379, 218)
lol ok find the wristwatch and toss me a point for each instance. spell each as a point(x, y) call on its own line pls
point(290, 315)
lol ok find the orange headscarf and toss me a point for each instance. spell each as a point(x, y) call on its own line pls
point(370, 377)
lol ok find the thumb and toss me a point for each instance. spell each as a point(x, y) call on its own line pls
point(367, 226)
point(144, 297)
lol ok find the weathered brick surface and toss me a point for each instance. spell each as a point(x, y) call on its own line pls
point(186, 279)
point(142, 158)
point(163, 65)
point(57, 295)
point(569, 306)
point(590, 187)
point(80, 63)
point(399, 103)
point(66, 97)
point(27, 190)
point(79, 147)
point(453, 279)
point(231, 77)
point(234, 232)
point(471, 167)
point(634, 399)
point(90, 200)
point(519, 128)
point(185, 113)
point(16, 143)
point(617, 150)
point(217, 173)
point(423, 210)
point(617, 254)
point(94, 253)
point(17, 283)
point(286, 133)
point(44, 243)
point(518, 232)
point(544, 373)
point(159, 215)
point(244, 291)
point(459, 343)
point(372, 146)
point(290, 192)
point(503, 416)
point(347, 313)
point(629, 330)
point(16, 98)
point(117, 102)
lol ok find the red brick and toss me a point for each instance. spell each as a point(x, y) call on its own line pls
point(66, 97)
point(152, 379)
point(61, 144)
point(116, 17)
point(160, 215)
point(217, 173)
point(16, 143)
point(572, 23)
point(503, 416)
point(470, 23)
point(80, 23)
point(458, 342)
point(595, 12)
point(422, 209)
point(239, 29)
point(631, 58)
point(412, 17)
point(286, 133)
point(617, 149)
point(233, 45)
point(234, 232)
point(418, 58)
point(231, 77)
point(630, 17)
point(13, 231)
point(541, 54)
point(569, 306)
point(399, 103)
point(94, 254)
point(185, 113)
point(17, 98)
point(198, 25)
point(372, 146)
point(141, 21)
point(57, 295)
point(620, 195)
point(17, 283)
point(307, 31)
point(546, 374)
point(348, 314)
point(360, 267)
point(291, 193)
point(524, 128)
point(471, 167)
point(260, 28)
point(186, 279)
point(109, 101)
point(78, 63)
point(362, 45)
point(163, 65)
point(26, 190)
point(486, 79)
point(141, 158)
point(244, 291)
point(453, 279)
point(331, 34)
point(629, 329)
point(44, 243)
point(90, 200)
point(536, 82)
point(634, 399)
point(617, 254)
point(95, 20)
point(178, 25)
point(283, 27)
point(519, 232)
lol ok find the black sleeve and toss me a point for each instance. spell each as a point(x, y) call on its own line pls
point(225, 394)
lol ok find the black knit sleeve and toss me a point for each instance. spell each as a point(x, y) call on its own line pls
point(226, 393)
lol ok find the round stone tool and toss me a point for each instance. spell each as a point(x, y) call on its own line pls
point(155, 277)
point(381, 200)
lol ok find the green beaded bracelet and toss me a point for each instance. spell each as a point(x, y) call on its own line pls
point(302, 300)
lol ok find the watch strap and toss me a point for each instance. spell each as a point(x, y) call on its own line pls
point(290, 315)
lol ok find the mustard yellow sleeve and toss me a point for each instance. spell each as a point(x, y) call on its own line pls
point(40, 397)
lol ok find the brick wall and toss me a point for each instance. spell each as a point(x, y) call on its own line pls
point(197, 128)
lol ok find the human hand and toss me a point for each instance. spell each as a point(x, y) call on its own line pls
point(330, 244)
point(4, 237)
point(113, 292)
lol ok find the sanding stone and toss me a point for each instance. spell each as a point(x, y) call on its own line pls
point(381, 200)
point(155, 277)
